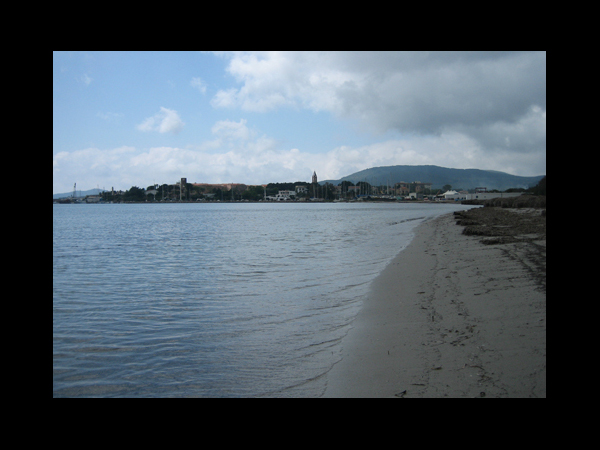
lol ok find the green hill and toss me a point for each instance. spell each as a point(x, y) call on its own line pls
point(440, 176)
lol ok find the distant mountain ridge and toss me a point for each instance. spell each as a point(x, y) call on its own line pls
point(440, 176)
point(78, 193)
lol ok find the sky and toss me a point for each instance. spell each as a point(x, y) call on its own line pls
point(123, 119)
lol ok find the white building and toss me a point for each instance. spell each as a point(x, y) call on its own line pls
point(453, 195)
point(283, 196)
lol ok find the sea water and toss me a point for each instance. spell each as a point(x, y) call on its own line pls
point(214, 299)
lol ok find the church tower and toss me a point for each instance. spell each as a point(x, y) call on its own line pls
point(314, 177)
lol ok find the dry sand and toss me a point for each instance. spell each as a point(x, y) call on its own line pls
point(452, 316)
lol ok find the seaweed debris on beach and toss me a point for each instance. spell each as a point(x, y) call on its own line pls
point(506, 220)
point(521, 226)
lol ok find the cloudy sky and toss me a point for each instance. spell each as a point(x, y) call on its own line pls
point(123, 119)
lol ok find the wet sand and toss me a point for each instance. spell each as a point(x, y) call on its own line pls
point(454, 315)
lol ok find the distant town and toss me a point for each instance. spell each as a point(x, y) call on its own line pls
point(346, 191)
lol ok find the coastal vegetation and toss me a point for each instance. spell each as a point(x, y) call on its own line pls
point(302, 191)
point(375, 184)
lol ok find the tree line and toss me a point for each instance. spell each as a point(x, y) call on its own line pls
point(327, 191)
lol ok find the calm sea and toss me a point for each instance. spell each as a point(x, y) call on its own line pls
point(214, 300)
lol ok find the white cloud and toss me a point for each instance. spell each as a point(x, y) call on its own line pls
point(198, 84)
point(165, 121)
point(525, 134)
point(409, 90)
point(488, 96)
point(455, 109)
point(90, 167)
point(274, 79)
point(224, 99)
point(238, 154)
point(230, 130)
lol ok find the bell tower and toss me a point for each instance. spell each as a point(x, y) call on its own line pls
point(314, 177)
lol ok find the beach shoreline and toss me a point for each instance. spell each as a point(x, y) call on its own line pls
point(455, 314)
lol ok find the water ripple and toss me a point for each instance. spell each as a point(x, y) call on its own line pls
point(212, 300)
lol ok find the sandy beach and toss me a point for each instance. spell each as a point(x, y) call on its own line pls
point(460, 315)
